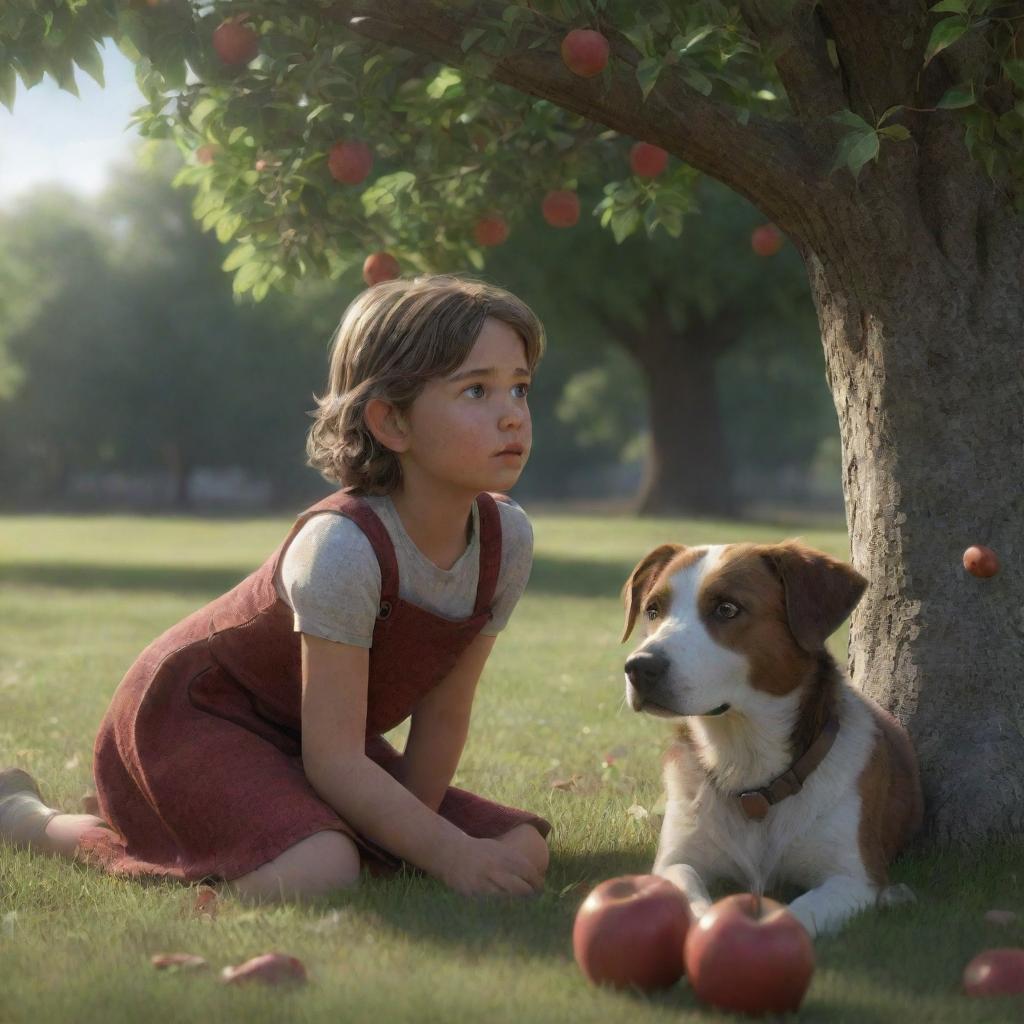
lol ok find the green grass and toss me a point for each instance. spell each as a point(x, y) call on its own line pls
point(79, 597)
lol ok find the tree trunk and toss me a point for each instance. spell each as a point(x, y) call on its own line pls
point(688, 469)
point(926, 364)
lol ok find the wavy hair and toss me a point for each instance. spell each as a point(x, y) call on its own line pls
point(392, 339)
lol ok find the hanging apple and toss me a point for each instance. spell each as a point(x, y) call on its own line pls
point(235, 43)
point(647, 161)
point(380, 266)
point(585, 52)
point(561, 208)
point(766, 240)
point(350, 161)
point(490, 230)
point(981, 561)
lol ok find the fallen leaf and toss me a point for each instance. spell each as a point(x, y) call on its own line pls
point(204, 905)
point(72, 762)
point(637, 812)
point(1002, 917)
point(272, 968)
point(177, 961)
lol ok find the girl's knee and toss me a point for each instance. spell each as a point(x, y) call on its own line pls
point(311, 869)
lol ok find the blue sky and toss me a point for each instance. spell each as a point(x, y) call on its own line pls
point(53, 137)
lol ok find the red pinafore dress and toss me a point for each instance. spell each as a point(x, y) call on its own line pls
point(198, 762)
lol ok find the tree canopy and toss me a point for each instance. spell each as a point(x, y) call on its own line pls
point(482, 118)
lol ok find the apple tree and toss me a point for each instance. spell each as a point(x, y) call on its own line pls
point(884, 139)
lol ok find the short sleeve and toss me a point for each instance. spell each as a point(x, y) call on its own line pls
point(331, 579)
point(516, 562)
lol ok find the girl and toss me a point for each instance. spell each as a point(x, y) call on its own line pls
point(245, 744)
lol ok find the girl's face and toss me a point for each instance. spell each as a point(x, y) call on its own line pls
point(471, 430)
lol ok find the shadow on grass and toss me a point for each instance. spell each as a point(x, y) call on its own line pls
point(86, 576)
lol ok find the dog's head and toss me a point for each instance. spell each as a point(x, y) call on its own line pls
point(728, 625)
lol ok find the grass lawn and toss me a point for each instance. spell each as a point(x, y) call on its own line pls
point(81, 596)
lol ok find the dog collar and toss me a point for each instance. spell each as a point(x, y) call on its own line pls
point(755, 803)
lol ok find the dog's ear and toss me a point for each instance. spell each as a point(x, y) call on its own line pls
point(820, 591)
point(646, 569)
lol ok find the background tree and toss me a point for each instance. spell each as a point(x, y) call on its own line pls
point(885, 139)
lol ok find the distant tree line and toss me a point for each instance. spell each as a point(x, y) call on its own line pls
point(122, 349)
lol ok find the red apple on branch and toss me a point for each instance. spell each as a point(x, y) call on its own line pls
point(561, 208)
point(766, 240)
point(585, 52)
point(647, 161)
point(490, 230)
point(206, 153)
point(350, 161)
point(380, 266)
point(235, 43)
point(749, 955)
point(995, 972)
point(630, 931)
point(981, 561)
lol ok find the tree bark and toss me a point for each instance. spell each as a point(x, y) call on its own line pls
point(689, 469)
point(926, 366)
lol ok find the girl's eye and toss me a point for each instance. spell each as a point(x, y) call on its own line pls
point(521, 390)
point(475, 390)
point(727, 610)
point(651, 611)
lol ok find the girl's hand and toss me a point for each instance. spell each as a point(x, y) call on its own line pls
point(489, 866)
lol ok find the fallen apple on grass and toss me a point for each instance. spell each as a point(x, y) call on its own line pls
point(749, 955)
point(995, 972)
point(630, 931)
point(271, 968)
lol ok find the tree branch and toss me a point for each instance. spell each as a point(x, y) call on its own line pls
point(766, 161)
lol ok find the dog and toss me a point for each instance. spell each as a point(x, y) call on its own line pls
point(779, 770)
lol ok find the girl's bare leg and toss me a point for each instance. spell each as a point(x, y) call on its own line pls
point(63, 832)
point(311, 869)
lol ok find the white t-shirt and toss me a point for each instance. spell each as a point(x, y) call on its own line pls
point(330, 578)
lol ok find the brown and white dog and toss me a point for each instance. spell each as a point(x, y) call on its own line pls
point(780, 770)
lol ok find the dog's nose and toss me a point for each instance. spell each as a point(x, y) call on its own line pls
point(646, 669)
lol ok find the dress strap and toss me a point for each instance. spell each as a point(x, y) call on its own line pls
point(353, 507)
point(490, 549)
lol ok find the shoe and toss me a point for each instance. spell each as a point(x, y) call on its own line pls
point(23, 815)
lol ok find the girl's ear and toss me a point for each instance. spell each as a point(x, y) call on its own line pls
point(386, 424)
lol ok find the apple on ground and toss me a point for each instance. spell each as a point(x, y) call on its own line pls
point(749, 955)
point(630, 931)
point(561, 208)
point(766, 240)
point(235, 43)
point(380, 266)
point(585, 52)
point(490, 230)
point(981, 561)
point(272, 968)
point(350, 161)
point(995, 972)
point(647, 161)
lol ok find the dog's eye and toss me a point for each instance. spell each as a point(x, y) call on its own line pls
point(727, 610)
point(651, 611)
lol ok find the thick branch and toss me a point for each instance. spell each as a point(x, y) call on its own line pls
point(765, 161)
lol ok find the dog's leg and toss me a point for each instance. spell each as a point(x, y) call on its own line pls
point(687, 879)
point(828, 907)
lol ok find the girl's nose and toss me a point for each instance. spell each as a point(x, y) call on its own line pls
point(511, 416)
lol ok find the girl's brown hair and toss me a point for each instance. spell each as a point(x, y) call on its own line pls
point(392, 339)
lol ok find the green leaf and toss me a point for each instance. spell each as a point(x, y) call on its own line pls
point(898, 132)
point(202, 110)
point(865, 148)
point(945, 33)
point(950, 7)
point(8, 86)
point(957, 97)
point(833, 54)
point(87, 57)
point(471, 36)
point(697, 80)
point(1015, 70)
point(647, 72)
point(848, 117)
point(246, 278)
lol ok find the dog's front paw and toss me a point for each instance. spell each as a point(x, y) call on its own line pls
point(896, 895)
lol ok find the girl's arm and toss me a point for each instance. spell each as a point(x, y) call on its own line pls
point(440, 724)
point(334, 683)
